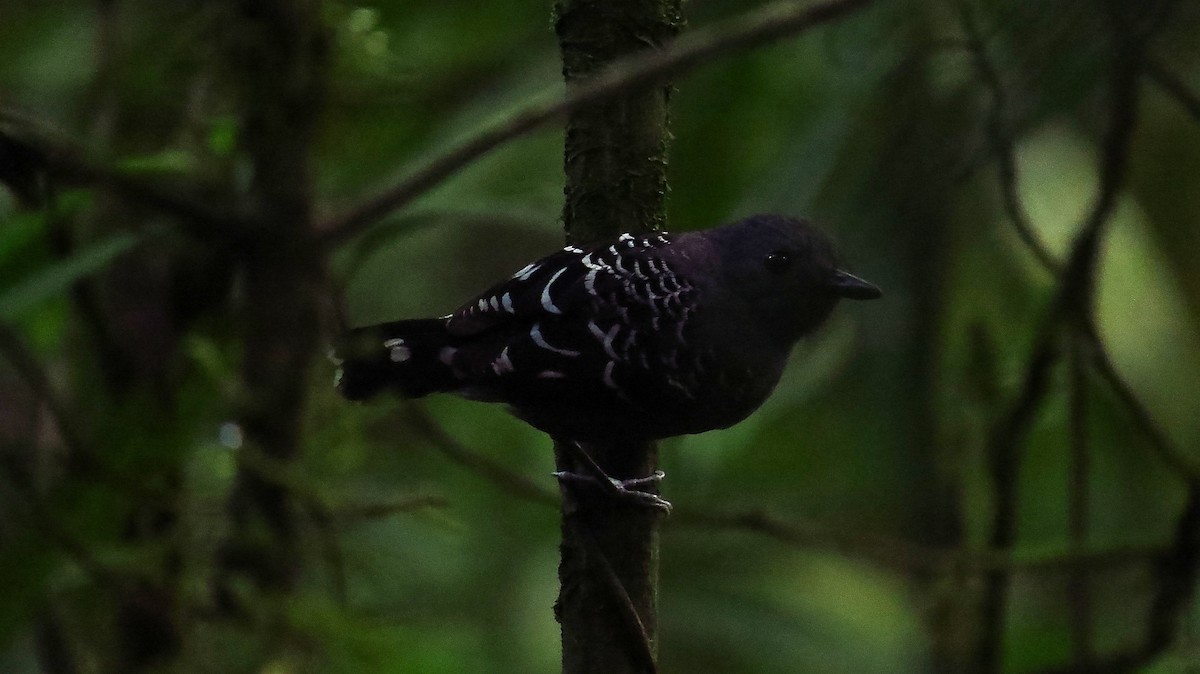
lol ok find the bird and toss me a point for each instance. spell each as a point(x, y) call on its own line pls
point(640, 338)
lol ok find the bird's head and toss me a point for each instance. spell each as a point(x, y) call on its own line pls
point(787, 271)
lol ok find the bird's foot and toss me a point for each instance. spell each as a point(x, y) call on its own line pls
point(624, 491)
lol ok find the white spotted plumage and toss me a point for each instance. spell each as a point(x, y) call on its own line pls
point(640, 337)
point(547, 301)
point(628, 282)
point(398, 351)
point(535, 332)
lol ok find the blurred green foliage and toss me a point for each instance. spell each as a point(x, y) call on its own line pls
point(874, 125)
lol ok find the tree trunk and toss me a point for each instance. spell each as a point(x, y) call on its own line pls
point(280, 52)
point(615, 162)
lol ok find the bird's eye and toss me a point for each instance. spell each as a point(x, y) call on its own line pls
point(777, 262)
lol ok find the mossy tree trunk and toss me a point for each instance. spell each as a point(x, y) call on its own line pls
point(615, 162)
point(279, 51)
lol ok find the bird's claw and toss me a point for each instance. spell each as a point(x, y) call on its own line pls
point(626, 491)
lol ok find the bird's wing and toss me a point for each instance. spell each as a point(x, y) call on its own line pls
point(603, 324)
point(626, 274)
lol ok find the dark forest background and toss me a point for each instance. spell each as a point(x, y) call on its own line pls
point(994, 468)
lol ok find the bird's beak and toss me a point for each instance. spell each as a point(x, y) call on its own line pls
point(852, 287)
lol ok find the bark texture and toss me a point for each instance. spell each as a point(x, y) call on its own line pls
point(615, 159)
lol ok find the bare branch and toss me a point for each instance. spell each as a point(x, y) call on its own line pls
point(906, 556)
point(887, 551)
point(769, 24)
point(1175, 87)
point(510, 481)
point(1178, 574)
point(1003, 143)
point(638, 639)
point(66, 160)
point(23, 360)
point(1072, 305)
point(1078, 584)
point(1176, 460)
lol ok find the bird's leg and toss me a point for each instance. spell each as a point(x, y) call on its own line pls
point(625, 491)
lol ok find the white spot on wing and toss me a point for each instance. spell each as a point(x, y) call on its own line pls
point(446, 355)
point(606, 338)
point(550, 374)
point(506, 300)
point(503, 363)
point(399, 350)
point(526, 271)
point(608, 378)
point(637, 271)
point(536, 333)
point(494, 303)
point(683, 389)
point(547, 303)
point(625, 237)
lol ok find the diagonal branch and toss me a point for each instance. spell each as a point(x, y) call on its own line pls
point(894, 553)
point(1177, 460)
point(51, 151)
point(1072, 305)
point(1175, 87)
point(509, 481)
point(18, 354)
point(769, 24)
point(1004, 145)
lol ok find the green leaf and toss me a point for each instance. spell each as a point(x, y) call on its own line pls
point(56, 278)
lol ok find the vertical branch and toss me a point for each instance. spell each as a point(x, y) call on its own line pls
point(278, 48)
point(999, 130)
point(1072, 308)
point(1078, 592)
point(615, 163)
point(1004, 460)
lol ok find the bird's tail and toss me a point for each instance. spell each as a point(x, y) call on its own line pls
point(406, 356)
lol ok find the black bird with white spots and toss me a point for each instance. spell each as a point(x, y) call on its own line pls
point(646, 337)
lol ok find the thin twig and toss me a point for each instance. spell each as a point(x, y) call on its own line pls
point(906, 556)
point(23, 360)
point(1173, 457)
point(67, 161)
point(1003, 144)
point(331, 548)
point(510, 481)
point(1178, 573)
point(769, 24)
point(1078, 584)
point(1072, 304)
point(41, 519)
point(359, 512)
point(887, 551)
point(638, 639)
point(1175, 87)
